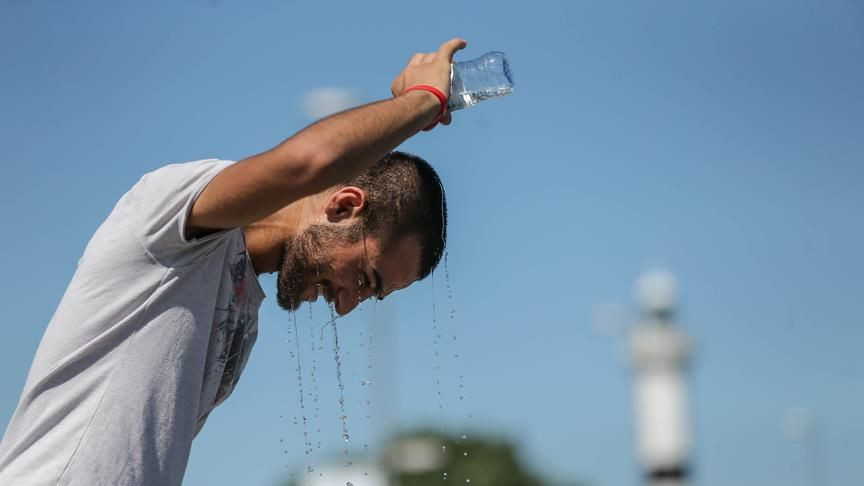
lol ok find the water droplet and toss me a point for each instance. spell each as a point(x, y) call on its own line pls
point(348, 484)
point(467, 480)
point(366, 382)
point(465, 454)
point(443, 448)
point(464, 436)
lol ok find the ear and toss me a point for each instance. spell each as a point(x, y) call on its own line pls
point(345, 203)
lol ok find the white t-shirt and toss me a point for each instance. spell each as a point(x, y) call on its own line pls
point(151, 335)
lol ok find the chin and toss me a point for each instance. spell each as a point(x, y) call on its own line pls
point(287, 300)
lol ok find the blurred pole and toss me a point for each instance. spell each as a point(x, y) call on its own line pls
point(800, 425)
point(384, 386)
point(818, 473)
point(385, 396)
point(659, 353)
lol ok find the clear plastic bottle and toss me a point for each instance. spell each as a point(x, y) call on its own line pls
point(473, 81)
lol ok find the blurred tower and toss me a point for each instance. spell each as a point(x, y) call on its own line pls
point(660, 352)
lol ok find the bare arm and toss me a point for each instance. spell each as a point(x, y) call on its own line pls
point(325, 153)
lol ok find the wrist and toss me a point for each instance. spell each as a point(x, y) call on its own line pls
point(435, 101)
point(428, 99)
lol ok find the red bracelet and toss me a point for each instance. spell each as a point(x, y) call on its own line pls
point(438, 94)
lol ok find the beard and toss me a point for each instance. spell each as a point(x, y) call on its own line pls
point(303, 258)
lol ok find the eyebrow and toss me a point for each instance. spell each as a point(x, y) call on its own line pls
point(378, 285)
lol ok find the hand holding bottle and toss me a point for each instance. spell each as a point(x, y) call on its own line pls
point(432, 69)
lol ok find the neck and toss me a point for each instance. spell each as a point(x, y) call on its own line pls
point(265, 239)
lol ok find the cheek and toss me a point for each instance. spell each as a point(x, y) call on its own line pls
point(348, 275)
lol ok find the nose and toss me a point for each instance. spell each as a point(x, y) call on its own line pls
point(349, 300)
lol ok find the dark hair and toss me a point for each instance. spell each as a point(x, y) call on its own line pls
point(405, 197)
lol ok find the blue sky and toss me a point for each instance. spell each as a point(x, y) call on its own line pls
point(722, 140)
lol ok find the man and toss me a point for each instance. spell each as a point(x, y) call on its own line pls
point(159, 319)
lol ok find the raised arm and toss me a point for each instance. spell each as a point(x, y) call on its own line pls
point(327, 152)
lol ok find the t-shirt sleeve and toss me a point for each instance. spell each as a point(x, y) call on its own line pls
point(164, 201)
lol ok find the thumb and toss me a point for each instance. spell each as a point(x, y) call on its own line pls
point(450, 47)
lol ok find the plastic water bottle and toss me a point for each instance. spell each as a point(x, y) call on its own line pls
point(486, 77)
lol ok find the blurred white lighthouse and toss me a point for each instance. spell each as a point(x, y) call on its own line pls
point(660, 353)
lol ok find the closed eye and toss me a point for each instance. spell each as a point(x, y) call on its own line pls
point(378, 284)
point(368, 283)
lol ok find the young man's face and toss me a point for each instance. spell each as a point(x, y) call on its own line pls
point(344, 266)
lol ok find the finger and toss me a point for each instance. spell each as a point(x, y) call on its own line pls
point(450, 47)
point(447, 119)
point(416, 59)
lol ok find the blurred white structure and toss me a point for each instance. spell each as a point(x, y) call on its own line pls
point(338, 475)
point(323, 102)
point(660, 353)
point(414, 456)
point(409, 455)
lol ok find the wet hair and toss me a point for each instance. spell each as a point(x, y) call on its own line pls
point(405, 197)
